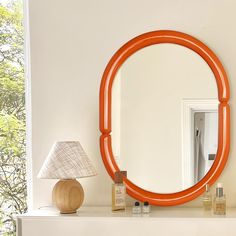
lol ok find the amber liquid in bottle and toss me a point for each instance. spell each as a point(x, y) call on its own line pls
point(219, 201)
point(119, 192)
point(207, 199)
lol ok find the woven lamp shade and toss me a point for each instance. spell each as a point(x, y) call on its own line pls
point(66, 160)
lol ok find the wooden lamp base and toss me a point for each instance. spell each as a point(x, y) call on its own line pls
point(68, 195)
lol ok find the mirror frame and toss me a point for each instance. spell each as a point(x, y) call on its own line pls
point(139, 42)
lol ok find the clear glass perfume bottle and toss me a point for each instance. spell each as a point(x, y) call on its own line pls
point(119, 191)
point(207, 199)
point(136, 208)
point(146, 208)
point(219, 201)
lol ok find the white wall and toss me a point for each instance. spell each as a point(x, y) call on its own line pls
point(71, 43)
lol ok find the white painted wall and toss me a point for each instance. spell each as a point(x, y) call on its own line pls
point(71, 43)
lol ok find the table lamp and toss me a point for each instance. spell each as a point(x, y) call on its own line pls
point(67, 161)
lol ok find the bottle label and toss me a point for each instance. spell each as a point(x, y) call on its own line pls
point(120, 196)
point(146, 209)
point(220, 208)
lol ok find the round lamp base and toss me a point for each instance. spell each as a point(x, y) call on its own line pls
point(68, 195)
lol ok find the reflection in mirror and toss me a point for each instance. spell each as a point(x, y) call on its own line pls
point(164, 118)
point(205, 142)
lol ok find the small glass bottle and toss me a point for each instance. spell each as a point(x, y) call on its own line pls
point(207, 199)
point(146, 208)
point(119, 191)
point(219, 201)
point(136, 208)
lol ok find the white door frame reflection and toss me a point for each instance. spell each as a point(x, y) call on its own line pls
point(189, 108)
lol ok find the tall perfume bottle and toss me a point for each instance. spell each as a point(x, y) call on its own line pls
point(207, 199)
point(119, 191)
point(219, 201)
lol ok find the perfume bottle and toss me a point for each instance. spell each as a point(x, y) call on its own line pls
point(119, 191)
point(146, 208)
point(219, 201)
point(136, 208)
point(207, 199)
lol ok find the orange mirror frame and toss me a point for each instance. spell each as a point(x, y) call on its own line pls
point(144, 40)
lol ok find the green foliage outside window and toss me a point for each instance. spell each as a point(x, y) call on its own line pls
point(12, 116)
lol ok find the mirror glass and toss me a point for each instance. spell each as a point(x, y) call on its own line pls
point(164, 118)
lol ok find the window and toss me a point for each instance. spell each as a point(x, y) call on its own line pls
point(13, 191)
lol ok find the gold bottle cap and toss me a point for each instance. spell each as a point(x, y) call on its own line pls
point(119, 176)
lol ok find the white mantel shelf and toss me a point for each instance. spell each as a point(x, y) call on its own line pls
point(102, 221)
